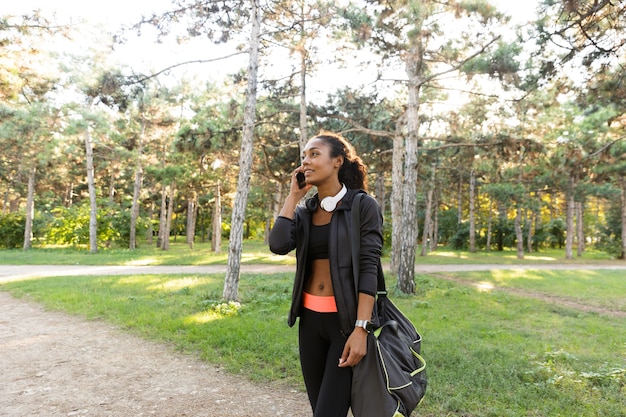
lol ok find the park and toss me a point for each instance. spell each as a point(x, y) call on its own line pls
point(147, 153)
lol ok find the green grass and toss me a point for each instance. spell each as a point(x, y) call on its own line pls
point(489, 353)
point(255, 251)
point(598, 288)
point(509, 257)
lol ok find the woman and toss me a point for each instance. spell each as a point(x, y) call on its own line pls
point(334, 315)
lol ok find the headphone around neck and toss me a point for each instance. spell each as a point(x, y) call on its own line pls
point(330, 203)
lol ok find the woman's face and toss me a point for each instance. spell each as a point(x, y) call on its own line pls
point(317, 164)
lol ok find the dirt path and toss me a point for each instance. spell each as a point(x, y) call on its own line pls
point(54, 364)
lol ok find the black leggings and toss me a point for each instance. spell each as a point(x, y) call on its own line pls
point(321, 344)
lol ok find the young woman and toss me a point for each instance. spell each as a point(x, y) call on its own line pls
point(334, 315)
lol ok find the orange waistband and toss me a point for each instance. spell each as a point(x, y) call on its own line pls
point(320, 304)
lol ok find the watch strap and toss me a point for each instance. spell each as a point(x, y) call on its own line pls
point(364, 324)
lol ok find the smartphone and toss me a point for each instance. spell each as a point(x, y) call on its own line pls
point(301, 180)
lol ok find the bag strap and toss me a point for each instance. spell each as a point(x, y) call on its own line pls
point(356, 239)
point(356, 248)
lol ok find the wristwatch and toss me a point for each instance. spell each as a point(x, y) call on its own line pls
point(367, 325)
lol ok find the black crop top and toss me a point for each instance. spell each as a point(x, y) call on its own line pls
point(318, 241)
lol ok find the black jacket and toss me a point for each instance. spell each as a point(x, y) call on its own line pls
point(288, 234)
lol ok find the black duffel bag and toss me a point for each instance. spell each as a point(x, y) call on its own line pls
point(390, 381)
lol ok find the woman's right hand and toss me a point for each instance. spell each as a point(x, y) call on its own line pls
point(295, 195)
point(295, 189)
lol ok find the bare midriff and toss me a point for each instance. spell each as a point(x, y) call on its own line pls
point(319, 282)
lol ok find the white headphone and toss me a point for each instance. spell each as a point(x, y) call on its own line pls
point(330, 203)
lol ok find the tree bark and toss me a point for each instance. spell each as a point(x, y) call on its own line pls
point(519, 235)
point(569, 219)
point(231, 281)
point(30, 209)
point(304, 131)
point(134, 211)
point(623, 200)
point(396, 199)
point(434, 235)
point(489, 227)
point(150, 231)
point(165, 245)
point(408, 239)
point(472, 214)
point(162, 216)
point(580, 228)
point(91, 185)
point(529, 226)
point(428, 215)
point(459, 202)
point(216, 232)
point(192, 210)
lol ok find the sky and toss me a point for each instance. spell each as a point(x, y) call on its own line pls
point(146, 56)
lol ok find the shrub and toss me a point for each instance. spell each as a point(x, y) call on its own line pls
point(12, 230)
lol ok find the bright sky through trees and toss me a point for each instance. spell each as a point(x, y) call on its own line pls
point(144, 55)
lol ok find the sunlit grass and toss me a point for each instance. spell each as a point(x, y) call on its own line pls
point(254, 252)
point(600, 288)
point(257, 252)
point(509, 256)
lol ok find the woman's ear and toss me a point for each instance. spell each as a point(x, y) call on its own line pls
point(339, 161)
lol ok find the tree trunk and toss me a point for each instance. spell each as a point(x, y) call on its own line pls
point(428, 215)
point(268, 221)
point(162, 216)
point(434, 235)
point(502, 220)
point(396, 199)
point(150, 232)
point(519, 235)
point(216, 232)
point(408, 239)
point(304, 134)
point(569, 237)
point(529, 235)
point(192, 210)
point(381, 195)
point(30, 209)
point(580, 228)
point(472, 214)
point(134, 210)
point(231, 281)
point(489, 227)
point(167, 227)
point(459, 202)
point(623, 200)
point(91, 185)
point(275, 206)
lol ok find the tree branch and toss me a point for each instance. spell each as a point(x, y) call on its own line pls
point(605, 147)
point(196, 61)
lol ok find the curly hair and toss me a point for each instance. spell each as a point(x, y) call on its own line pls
point(353, 172)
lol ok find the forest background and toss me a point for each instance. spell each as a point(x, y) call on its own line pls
point(479, 131)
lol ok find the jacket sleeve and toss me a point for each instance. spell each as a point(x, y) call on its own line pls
point(282, 239)
point(371, 244)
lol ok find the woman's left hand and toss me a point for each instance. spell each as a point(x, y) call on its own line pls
point(355, 348)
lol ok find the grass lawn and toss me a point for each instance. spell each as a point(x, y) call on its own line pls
point(254, 252)
point(257, 252)
point(489, 353)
